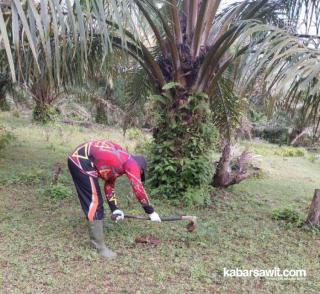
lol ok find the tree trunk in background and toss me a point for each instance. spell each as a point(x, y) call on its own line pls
point(56, 171)
point(295, 135)
point(224, 176)
point(44, 96)
point(101, 102)
point(314, 211)
point(108, 112)
point(4, 106)
point(3, 102)
point(101, 115)
point(43, 112)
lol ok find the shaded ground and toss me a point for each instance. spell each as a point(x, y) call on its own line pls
point(45, 249)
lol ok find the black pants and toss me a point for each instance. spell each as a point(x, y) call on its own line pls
point(89, 192)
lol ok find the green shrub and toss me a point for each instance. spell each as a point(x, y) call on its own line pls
point(275, 135)
point(288, 215)
point(290, 152)
point(134, 133)
point(57, 192)
point(274, 130)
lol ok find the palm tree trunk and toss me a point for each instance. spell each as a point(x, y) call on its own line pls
point(224, 176)
point(314, 211)
point(4, 106)
point(180, 153)
point(43, 96)
point(295, 136)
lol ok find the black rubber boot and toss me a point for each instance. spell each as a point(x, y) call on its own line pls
point(97, 239)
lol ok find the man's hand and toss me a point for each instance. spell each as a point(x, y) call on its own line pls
point(117, 215)
point(155, 217)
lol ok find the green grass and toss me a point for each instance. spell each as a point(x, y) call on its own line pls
point(45, 247)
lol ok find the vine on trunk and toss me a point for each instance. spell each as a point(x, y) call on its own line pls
point(183, 139)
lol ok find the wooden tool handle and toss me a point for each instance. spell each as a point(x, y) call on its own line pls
point(163, 218)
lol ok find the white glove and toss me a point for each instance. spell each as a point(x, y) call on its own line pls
point(155, 217)
point(119, 214)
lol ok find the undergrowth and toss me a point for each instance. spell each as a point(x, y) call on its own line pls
point(57, 192)
point(180, 154)
point(5, 137)
point(288, 215)
point(290, 152)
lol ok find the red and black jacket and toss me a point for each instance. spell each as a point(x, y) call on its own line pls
point(108, 161)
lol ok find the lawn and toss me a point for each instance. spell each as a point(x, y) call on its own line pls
point(45, 246)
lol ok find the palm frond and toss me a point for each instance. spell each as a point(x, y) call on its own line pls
point(290, 69)
point(48, 29)
point(226, 106)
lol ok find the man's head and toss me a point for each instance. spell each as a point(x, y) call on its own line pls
point(142, 162)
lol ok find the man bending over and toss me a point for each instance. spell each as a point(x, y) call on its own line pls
point(108, 161)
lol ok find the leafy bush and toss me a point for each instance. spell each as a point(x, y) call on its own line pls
point(57, 192)
point(275, 130)
point(276, 135)
point(290, 152)
point(5, 137)
point(288, 215)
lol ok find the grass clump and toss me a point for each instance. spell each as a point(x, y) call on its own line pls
point(290, 152)
point(312, 158)
point(198, 196)
point(31, 177)
point(288, 215)
point(57, 192)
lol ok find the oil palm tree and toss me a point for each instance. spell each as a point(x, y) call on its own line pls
point(185, 47)
point(289, 65)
